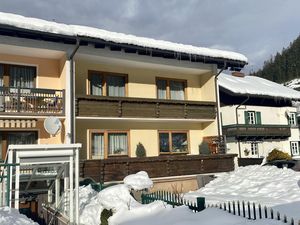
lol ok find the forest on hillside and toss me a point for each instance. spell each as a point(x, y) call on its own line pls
point(284, 66)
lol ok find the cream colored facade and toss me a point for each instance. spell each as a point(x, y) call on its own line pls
point(269, 116)
point(50, 75)
point(142, 84)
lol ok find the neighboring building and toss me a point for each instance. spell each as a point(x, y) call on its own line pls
point(258, 115)
point(113, 91)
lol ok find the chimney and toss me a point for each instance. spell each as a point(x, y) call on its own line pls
point(237, 74)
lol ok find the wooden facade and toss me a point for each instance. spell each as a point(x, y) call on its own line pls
point(115, 169)
point(125, 107)
point(255, 132)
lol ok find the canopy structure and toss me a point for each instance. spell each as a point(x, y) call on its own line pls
point(40, 169)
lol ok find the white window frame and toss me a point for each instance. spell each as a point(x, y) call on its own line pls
point(251, 117)
point(292, 119)
point(254, 149)
point(294, 148)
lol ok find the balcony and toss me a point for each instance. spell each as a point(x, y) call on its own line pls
point(125, 107)
point(31, 101)
point(115, 169)
point(257, 132)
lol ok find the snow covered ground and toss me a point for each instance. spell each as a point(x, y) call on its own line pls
point(10, 216)
point(295, 83)
point(267, 185)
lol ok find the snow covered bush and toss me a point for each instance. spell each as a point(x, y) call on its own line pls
point(276, 154)
point(140, 150)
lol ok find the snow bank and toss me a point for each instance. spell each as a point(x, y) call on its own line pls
point(138, 181)
point(10, 216)
point(266, 185)
point(252, 85)
point(84, 31)
point(156, 213)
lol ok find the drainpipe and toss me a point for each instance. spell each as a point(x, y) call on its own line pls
point(237, 121)
point(218, 103)
point(70, 103)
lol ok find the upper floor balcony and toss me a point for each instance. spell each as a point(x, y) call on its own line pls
point(128, 107)
point(31, 101)
point(257, 131)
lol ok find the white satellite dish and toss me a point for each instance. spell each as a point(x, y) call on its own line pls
point(52, 125)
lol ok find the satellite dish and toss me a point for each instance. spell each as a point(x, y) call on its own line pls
point(52, 125)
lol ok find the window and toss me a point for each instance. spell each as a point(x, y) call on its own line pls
point(170, 89)
point(254, 149)
point(107, 84)
point(292, 119)
point(108, 143)
point(252, 117)
point(17, 76)
point(295, 148)
point(173, 142)
point(16, 138)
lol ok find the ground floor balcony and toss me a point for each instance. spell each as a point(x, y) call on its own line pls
point(116, 168)
point(247, 132)
point(125, 107)
point(31, 101)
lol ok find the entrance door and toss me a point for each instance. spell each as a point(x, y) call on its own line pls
point(16, 138)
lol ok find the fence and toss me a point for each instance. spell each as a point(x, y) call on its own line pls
point(253, 211)
point(174, 200)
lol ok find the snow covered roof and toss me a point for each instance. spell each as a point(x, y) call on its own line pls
point(256, 86)
point(34, 24)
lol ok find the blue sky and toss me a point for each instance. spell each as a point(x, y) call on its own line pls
point(256, 28)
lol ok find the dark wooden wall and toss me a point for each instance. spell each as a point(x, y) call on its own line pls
point(115, 169)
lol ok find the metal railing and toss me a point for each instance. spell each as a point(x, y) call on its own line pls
point(31, 100)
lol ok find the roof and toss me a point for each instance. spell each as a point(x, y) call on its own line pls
point(255, 86)
point(49, 27)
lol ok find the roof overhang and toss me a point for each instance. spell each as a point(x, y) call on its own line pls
point(222, 63)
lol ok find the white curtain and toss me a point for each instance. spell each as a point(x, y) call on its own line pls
point(117, 144)
point(97, 146)
point(115, 85)
point(161, 89)
point(22, 76)
point(177, 90)
point(96, 84)
point(1, 75)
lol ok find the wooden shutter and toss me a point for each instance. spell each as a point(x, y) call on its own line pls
point(246, 117)
point(258, 117)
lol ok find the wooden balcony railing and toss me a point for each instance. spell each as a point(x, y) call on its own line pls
point(115, 169)
point(253, 131)
point(31, 101)
point(126, 107)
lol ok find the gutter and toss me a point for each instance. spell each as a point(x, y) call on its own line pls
point(218, 103)
point(72, 90)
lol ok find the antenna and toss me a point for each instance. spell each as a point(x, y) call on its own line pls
point(52, 125)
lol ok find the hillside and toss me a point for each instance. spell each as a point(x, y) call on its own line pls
point(284, 66)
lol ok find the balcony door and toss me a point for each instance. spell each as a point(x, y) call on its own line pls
point(16, 138)
point(17, 76)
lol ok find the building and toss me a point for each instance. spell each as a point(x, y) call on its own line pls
point(258, 115)
point(111, 92)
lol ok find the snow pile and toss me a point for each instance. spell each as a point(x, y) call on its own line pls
point(84, 31)
point(138, 181)
point(10, 216)
point(267, 185)
point(252, 85)
point(295, 83)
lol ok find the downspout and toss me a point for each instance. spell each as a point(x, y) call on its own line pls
point(72, 90)
point(218, 104)
point(237, 121)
